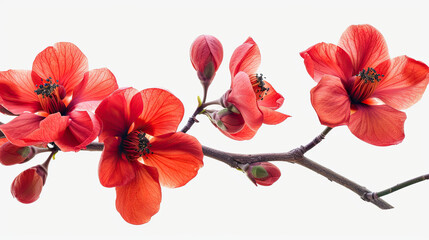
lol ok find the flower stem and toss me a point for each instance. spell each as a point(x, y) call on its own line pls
point(375, 195)
point(199, 109)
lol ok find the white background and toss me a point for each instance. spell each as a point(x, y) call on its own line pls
point(146, 44)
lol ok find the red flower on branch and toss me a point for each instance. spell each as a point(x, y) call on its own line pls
point(361, 87)
point(143, 150)
point(54, 101)
point(250, 93)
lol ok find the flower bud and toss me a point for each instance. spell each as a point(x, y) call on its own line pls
point(11, 154)
point(263, 173)
point(206, 57)
point(28, 185)
point(227, 120)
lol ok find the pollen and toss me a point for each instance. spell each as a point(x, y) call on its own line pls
point(46, 88)
point(370, 75)
point(259, 86)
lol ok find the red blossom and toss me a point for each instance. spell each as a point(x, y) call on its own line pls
point(55, 99)
point(250, 93)
point(143, 150)
point(360, 86)
point(263, 173)
point(11, 154)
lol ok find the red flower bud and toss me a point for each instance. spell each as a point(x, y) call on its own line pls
point(227, 120)
point(263, 173)
point(11, 154)
point(28, 185)
point(206, 57)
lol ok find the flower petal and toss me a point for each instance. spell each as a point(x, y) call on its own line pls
point(96, 85)
point(177, 157)
point(63, 62)
point(30, 129)
point(272, 117)
point(379, 125)
point(84, 127)
point(365, 46)
point(139, 200)
point(245, 133)
point(243, 98)
point(404, 82)
point(331, 101)
point(246, 58)
point(273, 99)
point(17, 91)
point(162, 112)
point(114, 170)
point(327, 59)
point(116, 113)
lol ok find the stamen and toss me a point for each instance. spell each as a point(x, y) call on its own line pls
point(370, 75)
point(258, 85)
point(136, 145)
point(50, 95)
point(365, 84)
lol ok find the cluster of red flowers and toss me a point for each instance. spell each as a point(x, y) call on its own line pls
point(61, 105)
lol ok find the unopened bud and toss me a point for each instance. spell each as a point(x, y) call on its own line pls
point(263, 173)
point(227, 121)
point(206, 57)
point(28, 185)
point(11, 154)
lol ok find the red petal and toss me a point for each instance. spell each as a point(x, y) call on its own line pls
point(273, 99)
point(331, 101)
point(83, 129)
point(272, 117)
point(115, 113)
point(329, 59)
point(243, 98)
point(17, 91)
point(404, 82)
point(27, 186)
point(139, 200)
point(246, 58)
point(96, 85)
point(177, 157)
point(63, 62)
point(379, 125)
point(365, 46)
point(114, 170)
point(162, 112)
point(244, 134)
point(29, 129)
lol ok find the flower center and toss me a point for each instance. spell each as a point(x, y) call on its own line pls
point(136, 145)
point(258, 85)
point(365, 84)
point(50, 96)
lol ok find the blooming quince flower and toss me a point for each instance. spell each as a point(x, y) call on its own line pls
point(206, 57)
point(361, 87)
point(27, 186)
point(263, 173)
point(143, 150)
point(54, 101)
point(246, 82)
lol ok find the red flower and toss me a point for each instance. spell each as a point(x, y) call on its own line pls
point(206, 57)
point(27, 186)
point(142, 149)
point(259, 108)
point(54, 99)
point(361, 87)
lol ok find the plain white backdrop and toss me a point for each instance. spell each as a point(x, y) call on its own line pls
point(146, 44)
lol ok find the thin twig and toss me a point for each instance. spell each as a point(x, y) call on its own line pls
point(376, 195)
